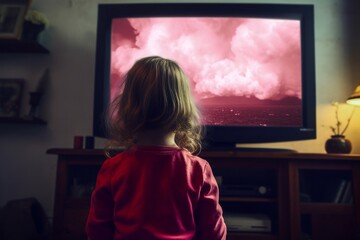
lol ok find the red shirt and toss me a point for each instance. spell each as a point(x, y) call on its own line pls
point(155, 192)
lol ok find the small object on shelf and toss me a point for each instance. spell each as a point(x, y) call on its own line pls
point(36, 96)
point(75, 189)
point(35, 22)
point(89, 142)
point(346, 197)
point(10, 96)
point(34, 102)
point(237, 222)
point(31, 31)
point(11, 17)
point(79, 190)
point(338, 144)
point(78, 142)
point(304, 197)
point(340, 190)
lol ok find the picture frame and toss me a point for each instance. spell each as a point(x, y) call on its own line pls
point(12, 14)
point(11, 91)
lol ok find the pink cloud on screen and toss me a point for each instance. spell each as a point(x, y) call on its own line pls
point(229, 58)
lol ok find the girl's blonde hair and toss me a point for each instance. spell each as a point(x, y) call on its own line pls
point(156, 95)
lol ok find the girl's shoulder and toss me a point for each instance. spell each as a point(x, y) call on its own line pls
point(195, 159)
point(153, 152)
point(114, 160)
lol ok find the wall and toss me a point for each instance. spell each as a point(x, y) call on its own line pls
point(25, 168)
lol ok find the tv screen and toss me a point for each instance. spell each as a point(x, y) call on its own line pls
point(250, 66)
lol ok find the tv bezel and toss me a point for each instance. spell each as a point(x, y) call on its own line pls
point(215, 135)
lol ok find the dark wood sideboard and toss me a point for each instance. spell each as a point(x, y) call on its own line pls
point(303, 195)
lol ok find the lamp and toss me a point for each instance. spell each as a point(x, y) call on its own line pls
point(354, 99)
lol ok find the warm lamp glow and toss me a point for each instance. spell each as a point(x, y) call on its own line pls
point(354, 99)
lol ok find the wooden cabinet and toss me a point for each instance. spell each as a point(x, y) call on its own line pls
point(298, 193)
point(326, 197)
point(76, 174)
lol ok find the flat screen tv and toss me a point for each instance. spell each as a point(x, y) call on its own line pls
point(251, 66)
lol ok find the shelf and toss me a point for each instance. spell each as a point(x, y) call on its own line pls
point(247, 199)
point(37, 121)
point(20, 46)
point(250, 236)
point(326, 208)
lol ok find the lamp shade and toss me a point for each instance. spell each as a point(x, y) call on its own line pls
point(354, 99)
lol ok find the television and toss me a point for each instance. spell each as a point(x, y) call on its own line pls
point(251, 67)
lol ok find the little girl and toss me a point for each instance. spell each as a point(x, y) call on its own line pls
point(156, 189)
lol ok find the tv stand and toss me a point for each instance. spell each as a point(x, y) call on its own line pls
point(274, 150)
point(233, 147)
point(300, 197)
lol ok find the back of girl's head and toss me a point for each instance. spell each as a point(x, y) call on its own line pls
point(156, 95)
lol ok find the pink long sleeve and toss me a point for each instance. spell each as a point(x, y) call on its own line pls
point(210, 222)
point(159, 193)
point(100, 220)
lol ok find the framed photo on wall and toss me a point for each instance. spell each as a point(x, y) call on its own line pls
point(12, 14)
point(10, 97)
